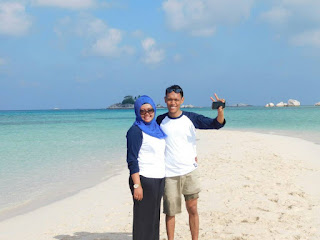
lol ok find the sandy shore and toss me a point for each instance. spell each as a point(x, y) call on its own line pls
point(254, 186)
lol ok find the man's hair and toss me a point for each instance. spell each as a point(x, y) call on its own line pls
point(174, 88)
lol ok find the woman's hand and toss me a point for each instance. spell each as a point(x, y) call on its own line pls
point(138, 193)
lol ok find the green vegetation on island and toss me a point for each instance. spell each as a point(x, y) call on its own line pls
point(127, 102)
point(129, 99)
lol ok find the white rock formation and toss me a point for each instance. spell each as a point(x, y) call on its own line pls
point(317, 104)
point(293, 102)
point(269, 105)
point(280, 104)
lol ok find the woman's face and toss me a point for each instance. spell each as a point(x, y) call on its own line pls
point(147, 112)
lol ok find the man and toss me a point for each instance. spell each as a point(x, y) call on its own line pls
point(182, 176)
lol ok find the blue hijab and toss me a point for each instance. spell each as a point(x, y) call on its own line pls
point(151, 128)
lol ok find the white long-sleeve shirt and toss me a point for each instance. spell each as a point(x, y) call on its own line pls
point(181, 151)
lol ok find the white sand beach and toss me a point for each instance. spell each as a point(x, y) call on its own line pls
point(254, 186)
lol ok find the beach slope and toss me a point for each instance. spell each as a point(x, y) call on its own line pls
point(254, 186)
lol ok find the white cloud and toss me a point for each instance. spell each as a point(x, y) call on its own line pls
point(14, 19)
point(277, 15)
point(291, 11)
point(69, 4)
point(201, 18)
point(97, 27)
point(148, 43)
point(90, 27)
point(297, 21)
point(101, 39)
point(309, 38)
point(152, 54)
point(108, 45)
point(83, 26)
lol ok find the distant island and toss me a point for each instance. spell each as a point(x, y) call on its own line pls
point(128, 103)
point(240, 105)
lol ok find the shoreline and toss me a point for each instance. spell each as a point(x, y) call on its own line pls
point(105, 210)
point(28, 207)
point(32, 205)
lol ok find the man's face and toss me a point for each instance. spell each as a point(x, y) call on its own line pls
point(173, 101)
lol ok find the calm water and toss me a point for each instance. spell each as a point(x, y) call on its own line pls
point(47, 155)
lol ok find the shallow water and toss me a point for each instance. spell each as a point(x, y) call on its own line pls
point(46, 155)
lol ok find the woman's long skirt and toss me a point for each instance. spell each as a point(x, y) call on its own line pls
point(146, 213)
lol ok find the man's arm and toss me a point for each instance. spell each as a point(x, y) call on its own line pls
point(220, 117)
point(201, 122)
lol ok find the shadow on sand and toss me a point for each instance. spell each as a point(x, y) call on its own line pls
point(95, 236)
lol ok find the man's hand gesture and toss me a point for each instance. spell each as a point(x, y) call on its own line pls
point(220, 117)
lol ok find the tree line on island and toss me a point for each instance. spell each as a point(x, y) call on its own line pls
point(129, 99)
point(127, 102)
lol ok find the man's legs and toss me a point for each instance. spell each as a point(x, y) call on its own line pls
point(191, 191)
point(172, 203)
point(189, 186)
point(170, 224)
point(192, 209)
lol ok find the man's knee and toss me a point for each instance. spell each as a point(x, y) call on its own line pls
point(170, 218)
point(192, 206)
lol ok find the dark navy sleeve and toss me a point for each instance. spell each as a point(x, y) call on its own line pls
point(202, 122)
point(160, 118)
point(134, 142)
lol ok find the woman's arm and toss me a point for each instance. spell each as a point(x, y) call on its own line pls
point(134, 142)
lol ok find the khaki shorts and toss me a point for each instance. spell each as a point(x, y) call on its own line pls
point(188, 185)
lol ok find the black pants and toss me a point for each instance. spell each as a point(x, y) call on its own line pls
point(146, 213)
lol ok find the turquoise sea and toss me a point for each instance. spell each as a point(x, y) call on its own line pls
point(46, 155)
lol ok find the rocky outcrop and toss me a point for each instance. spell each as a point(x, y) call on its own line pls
point(281, 104)
point(317, 104)
point(293, 102)
point(120, 106)
point(269, 105)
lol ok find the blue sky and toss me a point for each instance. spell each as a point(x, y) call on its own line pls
point(91, 53)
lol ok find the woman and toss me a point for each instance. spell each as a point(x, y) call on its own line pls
point(145, 158)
